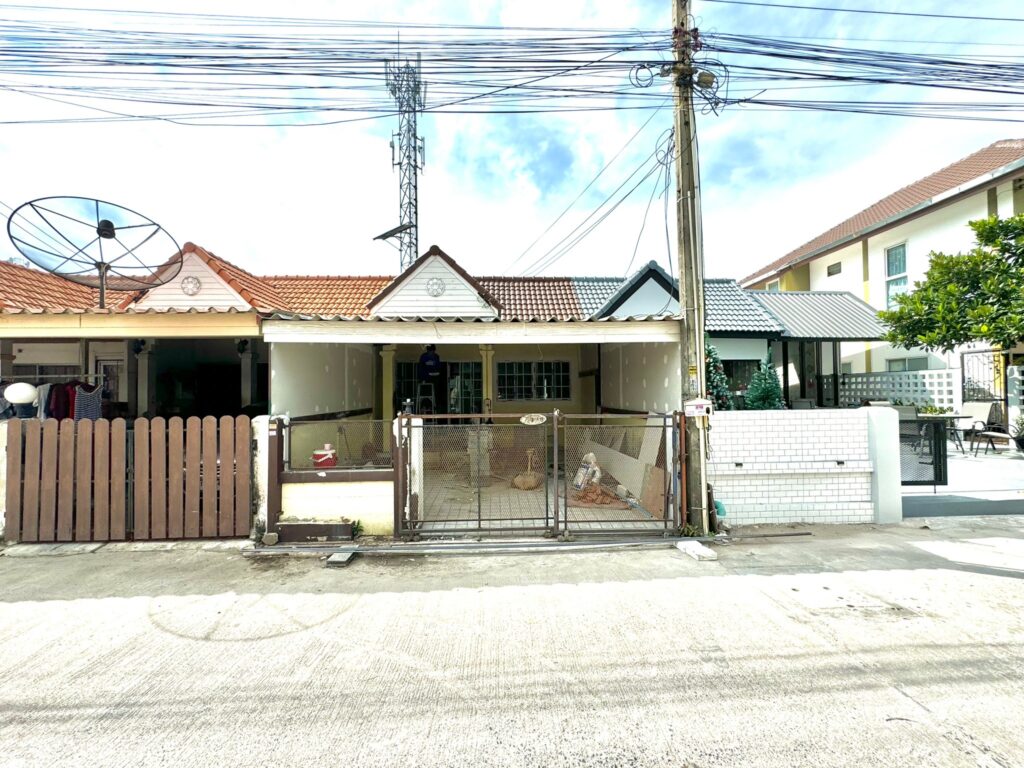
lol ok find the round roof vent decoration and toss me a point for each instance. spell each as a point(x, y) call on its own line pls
point(191, 285)
point(435, 287)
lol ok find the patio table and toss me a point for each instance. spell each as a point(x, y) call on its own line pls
point(950, 420)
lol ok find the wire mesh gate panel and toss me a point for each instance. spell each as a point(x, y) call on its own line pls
point(464, 476)
point(923, 457)
point(619, 474)
point(570, 474)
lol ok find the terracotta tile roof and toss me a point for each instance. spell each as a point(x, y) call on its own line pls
point(29, 288)
point(534, 298)
point(327, 294)
point(970, 168)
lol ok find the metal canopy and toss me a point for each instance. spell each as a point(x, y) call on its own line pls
point(822, 315)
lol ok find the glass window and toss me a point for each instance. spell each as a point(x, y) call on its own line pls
point(835, 269)
point(895, 273)
point(907, 364)
point(548, 380)
point(773, 286)
point(739, 373)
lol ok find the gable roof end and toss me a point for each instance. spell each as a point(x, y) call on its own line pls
point(435, 251)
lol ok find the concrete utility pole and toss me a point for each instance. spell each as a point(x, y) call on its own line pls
point(409, 93)
point(691, 265)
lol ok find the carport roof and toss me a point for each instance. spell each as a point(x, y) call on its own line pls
point(822, 315)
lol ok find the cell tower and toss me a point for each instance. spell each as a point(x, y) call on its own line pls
point(409, 92)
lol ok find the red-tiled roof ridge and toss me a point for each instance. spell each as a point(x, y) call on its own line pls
point(326, 277)
point(978, 164)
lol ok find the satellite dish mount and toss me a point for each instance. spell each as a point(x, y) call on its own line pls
point(95, 243)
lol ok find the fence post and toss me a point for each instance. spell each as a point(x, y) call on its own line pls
point(399, 483)
point(10, 480)
point(554, 473)
point(274, 467)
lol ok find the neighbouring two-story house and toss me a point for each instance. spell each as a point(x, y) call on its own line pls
point(881, 251)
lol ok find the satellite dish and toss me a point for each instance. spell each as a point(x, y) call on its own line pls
point(94, 243)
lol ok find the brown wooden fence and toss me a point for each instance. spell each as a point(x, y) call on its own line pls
point(104, 481)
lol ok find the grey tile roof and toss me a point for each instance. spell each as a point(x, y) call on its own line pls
point(593, 292)
point(826, 315)
point(730, 309)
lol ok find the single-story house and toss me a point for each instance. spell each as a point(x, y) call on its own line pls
point(505, 344)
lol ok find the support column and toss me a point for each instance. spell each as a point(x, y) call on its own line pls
point(387, 382)
point(249, 357)
point(146, 379)
point(131, 374)
point(487, 360)
point(6, 360)
point(836, 373)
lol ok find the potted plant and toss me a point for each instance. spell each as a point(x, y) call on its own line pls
point(1017, 431)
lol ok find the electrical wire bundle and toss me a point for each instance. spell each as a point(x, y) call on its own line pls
point(249, 70)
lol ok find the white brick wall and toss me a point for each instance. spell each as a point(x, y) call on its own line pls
point(792, 466)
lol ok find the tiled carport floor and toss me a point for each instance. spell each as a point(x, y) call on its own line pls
point(451, 504)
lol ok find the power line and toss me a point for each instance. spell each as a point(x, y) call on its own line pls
point(591, 183)
point(866, 11)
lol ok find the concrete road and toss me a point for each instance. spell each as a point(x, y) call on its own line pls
point(900, 646)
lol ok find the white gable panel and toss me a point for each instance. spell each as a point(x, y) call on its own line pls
point(214, 292)
point(411, 297)
point(649, 299)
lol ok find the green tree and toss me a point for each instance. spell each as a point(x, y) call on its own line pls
point(765, 391)
point(717, 382)
point(974, 296)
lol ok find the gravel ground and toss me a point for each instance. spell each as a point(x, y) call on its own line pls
point(858, 646)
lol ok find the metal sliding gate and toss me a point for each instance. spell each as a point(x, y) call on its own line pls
point(535, 474)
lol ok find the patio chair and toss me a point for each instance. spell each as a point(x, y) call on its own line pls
point(988, 430)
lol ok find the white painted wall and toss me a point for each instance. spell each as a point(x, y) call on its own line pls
point(740, 349)
point(850, 277)
point(641, 377)
point(371, 503)
point(307, 379)
point(411, 298)
point(46, 353)
point(214, 291)
point(261, 467)
point(815, 466)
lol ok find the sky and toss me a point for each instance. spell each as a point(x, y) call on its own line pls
point(310, 199)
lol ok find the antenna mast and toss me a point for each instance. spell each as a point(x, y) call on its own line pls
point(409, 93)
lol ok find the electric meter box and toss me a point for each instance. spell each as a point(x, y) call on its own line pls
point(697, 408)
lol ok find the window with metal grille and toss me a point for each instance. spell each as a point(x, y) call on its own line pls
point(835, 269)
point(548, 380)
point(405, 382)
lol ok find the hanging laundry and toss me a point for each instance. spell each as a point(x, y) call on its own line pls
point(88, 399)
point(43, 401)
